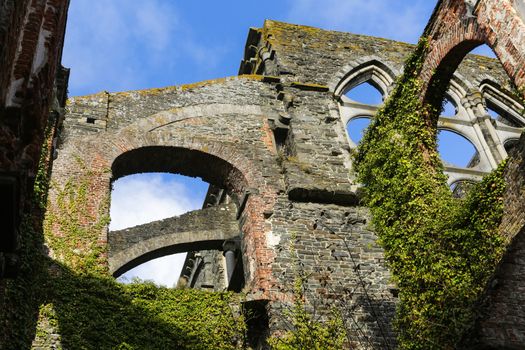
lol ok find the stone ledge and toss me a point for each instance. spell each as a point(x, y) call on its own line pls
point(324, 196)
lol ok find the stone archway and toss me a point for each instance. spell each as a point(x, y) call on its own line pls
point(197, 230)
point(458, 26)
point(152, 144)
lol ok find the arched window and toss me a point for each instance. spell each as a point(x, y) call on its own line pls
point(449, 107)
point(479, 149)
point(373, 72)
point(456, 150)
point(147, 197)
point(356, 128)
point(361, 92)
point(157, 212)
point(365, 93)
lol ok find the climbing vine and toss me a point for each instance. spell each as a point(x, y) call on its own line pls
point(65, 298)
point(441, 250)
point(98, 313)
point(94, 311)
point(21, 297)
point(71, 231)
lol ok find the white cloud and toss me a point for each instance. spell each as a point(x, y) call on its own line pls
point(397, 20)
point(155, 23)
point(98, 37)
point(142, 198)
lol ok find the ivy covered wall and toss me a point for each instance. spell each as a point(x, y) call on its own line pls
point(441, 250)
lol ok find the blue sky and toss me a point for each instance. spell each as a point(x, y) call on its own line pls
point(118, 45)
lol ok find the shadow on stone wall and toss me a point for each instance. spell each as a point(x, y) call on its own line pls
point(370, 320)
point(50, 306)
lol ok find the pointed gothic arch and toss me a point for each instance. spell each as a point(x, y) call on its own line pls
point(374, 72)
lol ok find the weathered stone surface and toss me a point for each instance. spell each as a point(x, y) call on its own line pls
point(230, 144)
point(275, 141)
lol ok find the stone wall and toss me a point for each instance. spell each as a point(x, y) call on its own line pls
point(276, 142)
point(235, 114)
point(218, 141)
point(208, 228)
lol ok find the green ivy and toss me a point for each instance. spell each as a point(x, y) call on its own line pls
point(441, 250)
point(71, 301)
point(71, 231)
point(42, 177)
point(99, 313)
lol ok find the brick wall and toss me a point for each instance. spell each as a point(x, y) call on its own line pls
point(452, 34)
point(28, 30)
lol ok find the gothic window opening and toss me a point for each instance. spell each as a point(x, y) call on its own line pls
point(356, 128)
point(362, 92)
point(476, 119)
point(449, 108)
point(365, 93)
point(506, 114)
point(456, 150)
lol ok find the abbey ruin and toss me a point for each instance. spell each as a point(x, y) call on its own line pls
point(284, 206)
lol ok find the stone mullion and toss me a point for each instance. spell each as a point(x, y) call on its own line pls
point(499, 151)
point(478, 119)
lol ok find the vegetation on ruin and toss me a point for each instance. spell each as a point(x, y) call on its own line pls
point(306, 332)
point(71, 230)
point(65, 297)
point(440, 250)
point(71, 301)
